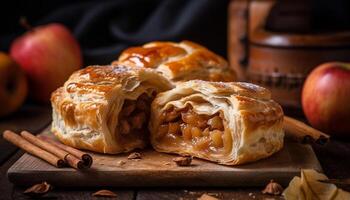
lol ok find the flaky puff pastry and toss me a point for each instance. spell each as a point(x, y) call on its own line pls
point(229, 123)
point(179, 61)
point(86, 110)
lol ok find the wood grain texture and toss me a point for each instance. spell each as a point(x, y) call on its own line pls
point(193, 194)
point(76, 194)
point(33, 118)
point(6, 187)
point(158, 169)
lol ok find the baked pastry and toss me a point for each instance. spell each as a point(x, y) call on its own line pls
point(106, 108)
point(229, 123)
point(179, 61)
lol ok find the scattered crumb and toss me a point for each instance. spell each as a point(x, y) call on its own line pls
point(273, 188)
point(38, 189)
point(104, 193)
point(121, 163)
point(250, 194)
point(134, 155)
point(183, 160)
point(167, 163)
point(212, 194)
point(207, 197)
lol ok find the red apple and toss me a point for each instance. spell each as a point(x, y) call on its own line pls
point(326, 98)
point(48, 54)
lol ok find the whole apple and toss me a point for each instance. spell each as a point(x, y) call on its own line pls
point(48, 54)
point(13, 85)
point(326, 98)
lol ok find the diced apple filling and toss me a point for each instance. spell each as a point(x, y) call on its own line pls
point(134, 115)
point(203, 132)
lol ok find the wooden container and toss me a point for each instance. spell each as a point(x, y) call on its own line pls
point(279, 61)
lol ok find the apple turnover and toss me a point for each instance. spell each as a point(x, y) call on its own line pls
point(228, 123)
point(106, 108)
point(179, 61)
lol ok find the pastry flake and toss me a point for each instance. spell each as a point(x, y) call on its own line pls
point(106, 108)
point(229, 123)
point(179, 61)
point(308, 186)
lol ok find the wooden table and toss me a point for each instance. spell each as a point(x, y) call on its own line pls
point(334, 158)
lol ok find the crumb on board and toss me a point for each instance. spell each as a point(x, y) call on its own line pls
point(207, 197)
point(134, 155)
point(121, 163)
point(183, 160)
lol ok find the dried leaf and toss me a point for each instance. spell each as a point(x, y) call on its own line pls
point(104, 193)
point(183, 160)
point(207, 197)
point(134, 155)
point(38, 189)
point(273, 188)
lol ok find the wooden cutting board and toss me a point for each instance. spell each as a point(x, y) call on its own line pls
point(158, 169)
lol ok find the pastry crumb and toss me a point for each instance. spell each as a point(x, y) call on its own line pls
point(38, 189)
point(134, 155)
point(167, 163)
point(212, 194)
point(183, 160)
point(273, 188)
point(207, 197)
point(121, 163)
point(104, 193)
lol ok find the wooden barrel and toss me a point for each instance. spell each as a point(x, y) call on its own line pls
point(279, 61)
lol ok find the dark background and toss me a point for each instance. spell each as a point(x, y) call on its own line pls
point(104, 28)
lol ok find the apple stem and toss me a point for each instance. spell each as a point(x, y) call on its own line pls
point(24, 23)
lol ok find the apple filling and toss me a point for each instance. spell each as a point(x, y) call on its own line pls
point(134, 116)
point(204, 133)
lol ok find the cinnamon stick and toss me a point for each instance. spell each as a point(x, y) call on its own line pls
point(32, 149)
point(87, 159)
point(69, 158)
point(302, 132)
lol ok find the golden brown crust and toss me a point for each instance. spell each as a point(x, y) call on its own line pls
point(179, 61)
point(86, 108)
point(253, 120)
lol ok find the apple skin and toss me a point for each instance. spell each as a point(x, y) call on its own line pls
point(48, 54)
point(13, 85)
point(326, 98)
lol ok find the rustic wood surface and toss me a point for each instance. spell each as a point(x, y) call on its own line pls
point(30, 117)
point(158, 169)
point(333, 157)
